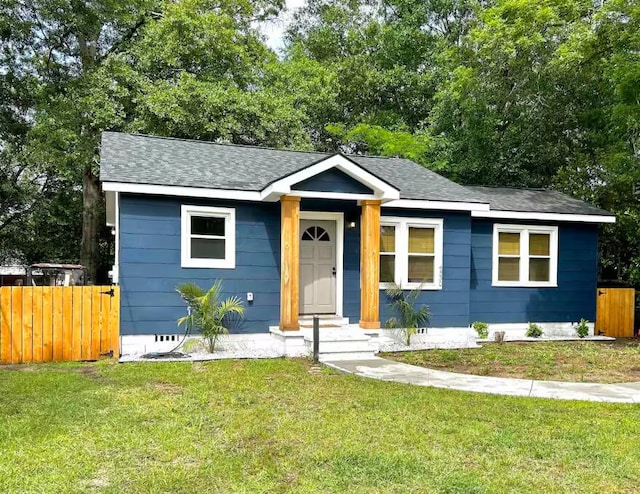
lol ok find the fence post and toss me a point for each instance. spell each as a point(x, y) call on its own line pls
point(316, 338)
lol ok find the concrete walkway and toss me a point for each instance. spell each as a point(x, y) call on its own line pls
point(387, 370)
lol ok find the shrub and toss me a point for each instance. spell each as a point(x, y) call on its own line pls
point(534, 330)
point(482, 328)
point(409, 315)
point(207, 312)
point(582, 328)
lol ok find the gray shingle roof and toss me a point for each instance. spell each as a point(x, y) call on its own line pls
point(141, 159)
point(534, 200)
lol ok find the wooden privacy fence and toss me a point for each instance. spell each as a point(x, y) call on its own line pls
point(615, 312)
point(58, 323)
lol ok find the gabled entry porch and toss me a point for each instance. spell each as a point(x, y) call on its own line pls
point(312, 249)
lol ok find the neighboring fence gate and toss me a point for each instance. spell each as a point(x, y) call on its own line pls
point(615, 312)
point(59, 323)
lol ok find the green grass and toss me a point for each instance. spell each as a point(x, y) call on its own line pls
point(274, 426)
point(576, 361)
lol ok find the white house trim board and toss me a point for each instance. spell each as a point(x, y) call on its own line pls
point(339, 219)
point(229, 215)
point(171, 190)
point(382, 190)
point(445, 205)
point(525, 231)
point(115, 275)
point(345, 196)
point(532, 216)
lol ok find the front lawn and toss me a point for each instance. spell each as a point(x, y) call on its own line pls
point(282, 426)
point(577, 361)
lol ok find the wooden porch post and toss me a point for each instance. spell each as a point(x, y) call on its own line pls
point(290, 262)
point(370, 265)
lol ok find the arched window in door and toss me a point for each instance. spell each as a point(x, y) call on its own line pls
point(316, 233)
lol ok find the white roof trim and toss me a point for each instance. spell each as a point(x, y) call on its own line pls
point(519, 215)
point(478, 210)
point(171, 190)
point(448, 205)
point(346, 196)
point(381, 189)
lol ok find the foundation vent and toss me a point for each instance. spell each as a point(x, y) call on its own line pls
point(167, 337)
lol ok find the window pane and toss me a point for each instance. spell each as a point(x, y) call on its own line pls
point(207, 248)
point(420, 269)
point(207, 225)
point(539, 269)
point(539, 244)
point(508, 269)
point(421, 240)
point(387, 269)
point(509, 244)
point(387, 239)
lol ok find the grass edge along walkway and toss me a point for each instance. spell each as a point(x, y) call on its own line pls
point(389, 370)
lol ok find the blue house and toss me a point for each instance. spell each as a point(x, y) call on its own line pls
point(300, 233)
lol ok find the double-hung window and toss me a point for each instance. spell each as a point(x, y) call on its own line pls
point(411, 253)
point(208, 237)
point(525, 256)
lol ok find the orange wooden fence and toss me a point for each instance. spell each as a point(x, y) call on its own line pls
point(615, 312)
point(58, 323)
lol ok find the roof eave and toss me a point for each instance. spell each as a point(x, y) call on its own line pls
point(541, 216)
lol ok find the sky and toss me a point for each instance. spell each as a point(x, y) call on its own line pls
point(275, 30)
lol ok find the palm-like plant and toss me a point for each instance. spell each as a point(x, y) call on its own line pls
point(208, 312)
point(409, 316)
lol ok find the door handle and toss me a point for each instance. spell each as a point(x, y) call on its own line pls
point(333, 271)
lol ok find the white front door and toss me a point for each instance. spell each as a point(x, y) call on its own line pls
point(317, 267)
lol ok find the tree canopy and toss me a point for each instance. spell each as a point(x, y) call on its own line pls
point(522, 93)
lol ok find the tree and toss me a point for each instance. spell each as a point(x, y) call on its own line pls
point(192, 68)
point(383, 55)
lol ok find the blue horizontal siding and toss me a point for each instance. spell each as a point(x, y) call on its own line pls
point(449, 307)
point(150, 264)
point(333, 180)
point(574, 298)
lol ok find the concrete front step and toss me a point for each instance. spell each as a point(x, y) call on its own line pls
point(347, 340)
point(344, 342)
point(325, 322)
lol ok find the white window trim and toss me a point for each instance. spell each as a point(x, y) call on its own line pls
point(525, 231)
point(402, 226)
point(229, 215)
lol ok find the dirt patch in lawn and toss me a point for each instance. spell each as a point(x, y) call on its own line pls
point(575, 361)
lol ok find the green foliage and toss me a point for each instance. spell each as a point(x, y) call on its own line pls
point(533, 330)
point(571, 361)
point(236, 426)
point(69, 70)
point(410, 315)
point(482, 328)
point(208, 312)
point(505, 93)
point(582, 328)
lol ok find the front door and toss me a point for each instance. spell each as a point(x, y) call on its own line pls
point(317, 267)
